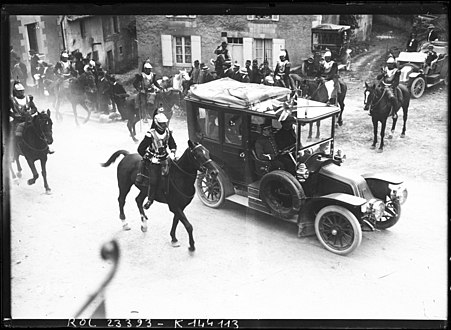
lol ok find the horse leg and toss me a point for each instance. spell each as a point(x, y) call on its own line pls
point(404, 118)
point(318, 124)
point(74, 109)
point(309, 138)
point(33, 170)
point(57, 105)
point(83, 104)
point(174, 241)
point(131, 129)
point(393, 126)
point(139, 201)
point(188, 227)
point(340, 115)
point(375, 124)
point(44, 175)
point(381, 146)
point(124, 188)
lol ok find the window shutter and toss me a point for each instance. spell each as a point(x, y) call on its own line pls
point(166, 49)
point(196, 49)
point(247, 49)
point(275, 18)
point(277, 45)
point(250, 17)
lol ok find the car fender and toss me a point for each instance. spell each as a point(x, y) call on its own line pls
point(413, 75)
point(313, 205)
point(379, 183)
point(228, 186)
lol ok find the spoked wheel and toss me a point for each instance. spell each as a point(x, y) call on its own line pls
point(391, 215)
point(338, 229)
point(210, 189)
point(417, 88)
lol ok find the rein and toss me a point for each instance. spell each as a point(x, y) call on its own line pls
point(380, 99)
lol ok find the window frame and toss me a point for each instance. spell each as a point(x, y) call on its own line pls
point(184, 54)
point(274, 18)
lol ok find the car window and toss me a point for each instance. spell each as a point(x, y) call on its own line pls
point(207, 123)
point(316, 132)
point(233, 128)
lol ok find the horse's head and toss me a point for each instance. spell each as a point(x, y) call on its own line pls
point(370, 94)
point(43, 125)
point(202, 157)
point(89, 83)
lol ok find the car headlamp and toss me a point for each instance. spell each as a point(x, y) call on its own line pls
point(398, 192)
point(374, 207)
point(339, 155)
point(302, 172)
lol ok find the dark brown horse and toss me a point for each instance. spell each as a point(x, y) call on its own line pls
point(177, 191)
point(376, 100)
point(34, 145)
point(76, 91)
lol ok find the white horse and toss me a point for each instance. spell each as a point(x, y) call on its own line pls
point(175, 82)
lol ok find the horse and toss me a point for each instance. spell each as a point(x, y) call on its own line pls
point(177, 191)
point(376, 100)
point(178, 82)
point(34, 145)
point(316, 90)
point(75, 90)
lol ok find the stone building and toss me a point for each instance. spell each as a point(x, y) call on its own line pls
point(174, 42)
point(111, 40)
point(40, 33)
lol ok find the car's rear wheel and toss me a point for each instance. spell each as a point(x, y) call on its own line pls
point(282, 193)
point(211, 189)
point(417, 87)
point(338, 229)
point(391, 215)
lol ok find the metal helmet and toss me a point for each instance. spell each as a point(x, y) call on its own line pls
point(147, 65)
point(283, 53)
point(327, 54)
point(391, 60)
point(64, 55)
point(161, 118)
point(18, 87)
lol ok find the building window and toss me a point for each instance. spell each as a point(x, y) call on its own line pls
point(115, 24)
point(263, 51)
point(274, 18)
point(120, 50)
point(95, 55)
point(183, 50)
point(235, 41)
point(82, 29)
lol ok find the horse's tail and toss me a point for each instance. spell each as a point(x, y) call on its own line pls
point(114, 156)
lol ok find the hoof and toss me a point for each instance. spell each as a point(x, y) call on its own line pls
point(126, 227)
point(31, 181)
point(309, 139)
point(380, 150)
point(16, 181)
point(175, 244)
point(191, 249)
point(19, 174)
point(48, 191)
point(373, 147)
point(403, 136)
point(390, 137)
point(143, 229)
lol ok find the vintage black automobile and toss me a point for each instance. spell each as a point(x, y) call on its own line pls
point(321, 196)
point(413, 68)
point(335, 38)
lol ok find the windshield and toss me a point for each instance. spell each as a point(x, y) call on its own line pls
point(316, 137)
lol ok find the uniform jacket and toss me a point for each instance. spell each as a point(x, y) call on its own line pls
point(155, 144)
point(266, 145)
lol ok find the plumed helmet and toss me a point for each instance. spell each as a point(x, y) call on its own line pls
point(161, 118)
point(283, 53)
point(92, 63)
point(327, 54)
point(64, 55)
point(391, 60)
point(18, 87)
point(147, 65)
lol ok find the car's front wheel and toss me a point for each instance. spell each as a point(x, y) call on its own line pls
point(338, 229)
point(211, 189)
point(391, 215)
point(417, 87)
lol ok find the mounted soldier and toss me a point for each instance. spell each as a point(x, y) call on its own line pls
point(221, 59)
point(153, 149)
point(64, 70)
point(329, 72)
point(282, 70)
point(146, 85)
point(389, 78)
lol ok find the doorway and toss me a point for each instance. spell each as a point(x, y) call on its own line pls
point(33, 36)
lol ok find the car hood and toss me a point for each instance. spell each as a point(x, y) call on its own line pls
point(412, 57)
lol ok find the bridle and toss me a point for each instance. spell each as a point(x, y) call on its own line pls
point(371, 104)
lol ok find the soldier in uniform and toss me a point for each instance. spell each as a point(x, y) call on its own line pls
point(222, 56)
point(147, 85)
point(153, 149)
point(329, 71)
point(264, 69)
point(63, 69)
point(282, 70)
point(389, 78)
